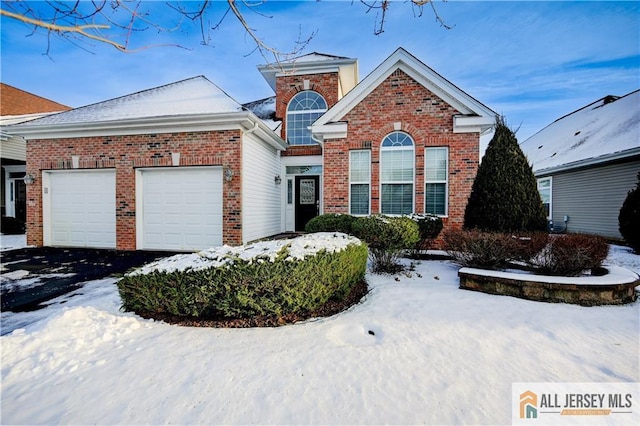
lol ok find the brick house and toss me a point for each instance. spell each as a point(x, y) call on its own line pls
point(184, 166)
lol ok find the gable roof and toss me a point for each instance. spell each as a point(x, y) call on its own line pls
point(14, 101)
point(604, 130)
point(195, 95)
point(474, 117)
point(314, 63)
point(194, 104)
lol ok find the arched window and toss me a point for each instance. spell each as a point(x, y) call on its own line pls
point(397, 166)
point(304, 108)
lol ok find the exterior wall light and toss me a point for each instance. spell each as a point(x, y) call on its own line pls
point(277, 180)
point(29, 179)
point(228, 174)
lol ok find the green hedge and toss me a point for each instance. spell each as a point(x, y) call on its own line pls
point(245, 288)
point(331, 222)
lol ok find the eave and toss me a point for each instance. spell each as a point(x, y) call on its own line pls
point(588, 162)
point(243, 120)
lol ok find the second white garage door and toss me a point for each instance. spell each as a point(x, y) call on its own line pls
point(181, 208)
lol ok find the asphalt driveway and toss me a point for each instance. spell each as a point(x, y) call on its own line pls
point(32, 276)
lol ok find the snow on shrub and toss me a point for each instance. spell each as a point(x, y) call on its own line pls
point(271, 278)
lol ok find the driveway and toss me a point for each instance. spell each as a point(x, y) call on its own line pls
point(31, 276)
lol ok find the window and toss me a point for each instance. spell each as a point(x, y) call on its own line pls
point(359, 182)
point(304, 108)
point(544, 188)
point(397, 161)
point(436, 164)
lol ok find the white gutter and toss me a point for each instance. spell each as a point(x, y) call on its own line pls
point(588, 162)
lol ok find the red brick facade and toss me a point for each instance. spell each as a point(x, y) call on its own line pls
point(420, 113)
point(125, 154)
point(326, 84)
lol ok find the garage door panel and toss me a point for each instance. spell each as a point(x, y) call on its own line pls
point(82, 209)
point(182, 208)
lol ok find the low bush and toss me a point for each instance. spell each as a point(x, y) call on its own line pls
point(331, 222)
point(387, 238)
point(271, 278)
point(529, 245)
point(476, 249)
point(429, 227)
point(570, 255)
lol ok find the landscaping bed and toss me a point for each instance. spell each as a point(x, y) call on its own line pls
point(616, 287)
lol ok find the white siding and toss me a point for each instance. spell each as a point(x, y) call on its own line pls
point(14, 148)
point(592, 197)
point(261, 196)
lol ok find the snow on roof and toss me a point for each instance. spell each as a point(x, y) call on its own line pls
point(607, 127)
point(265, 109)
point(196, 95)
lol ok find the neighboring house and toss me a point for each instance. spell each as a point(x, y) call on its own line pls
point(17, 106)
point(586, 162)
point(185, 167)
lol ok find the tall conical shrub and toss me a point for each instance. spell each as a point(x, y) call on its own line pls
point(504, 196)
point(629, 218)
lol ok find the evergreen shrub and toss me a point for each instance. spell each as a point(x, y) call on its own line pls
point(504, 196)
point(429, 227)
point(240, 288)
point(387, 238)
point(629, 218)
point(570, 255)
point(331, 222)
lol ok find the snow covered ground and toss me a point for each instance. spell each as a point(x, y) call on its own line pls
point(12, 242)
point(417, 350)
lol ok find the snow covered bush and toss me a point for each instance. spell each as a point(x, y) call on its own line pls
point(387, 237)
point(629, 218)
point(331, 222)
point(504, 196)
point(269, 278)
point(570, 255)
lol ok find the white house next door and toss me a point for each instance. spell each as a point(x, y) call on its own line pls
point(179, 209)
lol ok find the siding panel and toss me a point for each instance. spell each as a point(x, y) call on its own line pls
point(592, 198)
point(261, 199)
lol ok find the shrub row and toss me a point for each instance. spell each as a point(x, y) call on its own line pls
point(566, 255)
point(271, 284)
point(387, 236)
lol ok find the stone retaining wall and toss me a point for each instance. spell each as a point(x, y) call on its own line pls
point(615, 288)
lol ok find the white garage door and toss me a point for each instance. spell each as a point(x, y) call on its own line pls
point(82, 209)
point(181, 208)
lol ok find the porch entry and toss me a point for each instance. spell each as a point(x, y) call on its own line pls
point(307, 202)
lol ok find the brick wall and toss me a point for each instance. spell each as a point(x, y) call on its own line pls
point(125, 154)
point(288, 86)
point(429, 121)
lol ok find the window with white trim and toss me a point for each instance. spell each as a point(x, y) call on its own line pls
point(304, 108)
point(359, 182)
point(397, 170)
point(436, 178)
point(544, 188)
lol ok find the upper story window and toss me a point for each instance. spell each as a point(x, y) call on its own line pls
point(304, 108)
point(397, 170)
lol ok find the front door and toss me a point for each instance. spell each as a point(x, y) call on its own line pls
point(307, 200)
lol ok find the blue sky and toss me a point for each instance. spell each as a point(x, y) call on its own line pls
point(531, 61)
